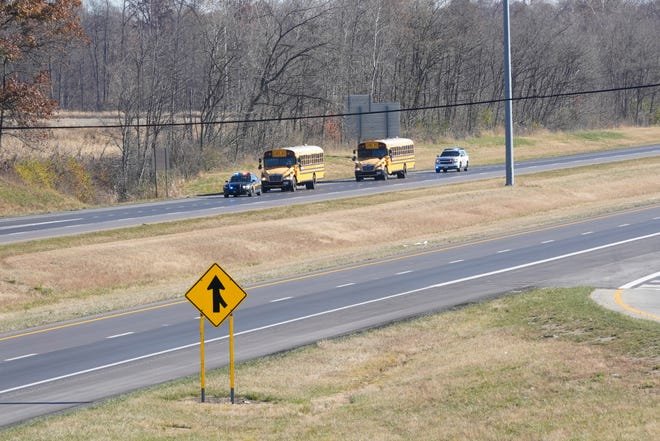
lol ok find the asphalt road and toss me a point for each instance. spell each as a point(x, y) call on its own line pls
point(26, 228)
point(50, 369)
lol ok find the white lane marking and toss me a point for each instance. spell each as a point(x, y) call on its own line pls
point(503, 251)
point(8, 227)
point(656, 218)
point(403, 272)
point(651, 286)
point(587, 232)
point(281, 300)
point(345, 285)
point(120, 335)
point(624, 225)
point(342, 308)
point(456, 261)
point(640, 280)
point(547, 241)
point(20, 357)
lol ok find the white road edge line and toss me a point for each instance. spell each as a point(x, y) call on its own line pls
point(640, 280)
point(341, 308)
point(120, 335)
point(7, 227)
point(20, 357)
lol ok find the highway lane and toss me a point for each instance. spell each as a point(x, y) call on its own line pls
point(17, 229)
point(44, 370)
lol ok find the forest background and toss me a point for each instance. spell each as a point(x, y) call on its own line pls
point(191, 77)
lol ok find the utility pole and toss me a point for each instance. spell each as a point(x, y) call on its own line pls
point(508, 123)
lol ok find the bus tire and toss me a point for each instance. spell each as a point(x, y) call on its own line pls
point(310, 185)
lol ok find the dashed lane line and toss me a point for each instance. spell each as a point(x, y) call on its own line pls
point(20, 357)
point(120, 335)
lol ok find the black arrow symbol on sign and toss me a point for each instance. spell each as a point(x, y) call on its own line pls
point(217, 286)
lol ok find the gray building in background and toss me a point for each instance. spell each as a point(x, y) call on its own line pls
point(386, 124)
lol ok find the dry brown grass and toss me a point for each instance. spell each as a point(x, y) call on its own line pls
point(473, 374)
point(40, 284)
point(488, 148)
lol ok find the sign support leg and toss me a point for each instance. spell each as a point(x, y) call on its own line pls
point(231, 358)
point(202, 376)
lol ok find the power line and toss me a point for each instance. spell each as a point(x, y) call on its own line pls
point(335, 115)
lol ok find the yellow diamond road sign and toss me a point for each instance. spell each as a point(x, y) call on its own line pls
point(216, 294)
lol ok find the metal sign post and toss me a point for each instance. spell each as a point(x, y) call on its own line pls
point(231, 358)
point(202, 374)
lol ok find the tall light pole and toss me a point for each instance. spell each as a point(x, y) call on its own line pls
point(508, 124)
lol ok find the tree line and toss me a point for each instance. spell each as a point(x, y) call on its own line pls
point(157, 61)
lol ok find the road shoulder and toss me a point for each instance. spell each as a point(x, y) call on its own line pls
point(641, 303)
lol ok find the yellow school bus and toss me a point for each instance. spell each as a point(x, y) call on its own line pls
point(380, 158)
point(288, 167)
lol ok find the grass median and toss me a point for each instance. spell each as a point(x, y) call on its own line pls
point(547, 364)
point(58, 279)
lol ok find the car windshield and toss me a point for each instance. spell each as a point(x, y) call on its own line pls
point(240, 178)
point(278, 162)
point(450, 153)
point(371, 153)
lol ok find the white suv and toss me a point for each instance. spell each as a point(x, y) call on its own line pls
point(454, 158)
